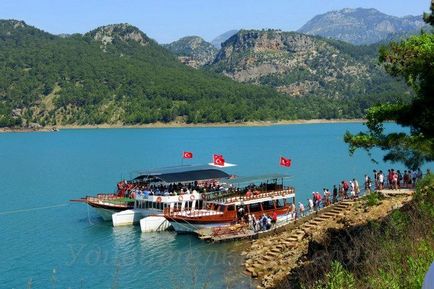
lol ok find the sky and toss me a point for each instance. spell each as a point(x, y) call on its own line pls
point(169, 20)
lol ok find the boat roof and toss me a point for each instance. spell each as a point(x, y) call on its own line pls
point(252, 179)
point(186, 173)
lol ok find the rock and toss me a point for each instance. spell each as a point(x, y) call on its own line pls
point(34, 125)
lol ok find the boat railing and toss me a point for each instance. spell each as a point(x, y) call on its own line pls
point(109, 198)
point(257, 195)
point(190, 213)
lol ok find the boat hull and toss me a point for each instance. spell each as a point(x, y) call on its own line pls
point(132, 216)
point(154, 224)
point(105, 214)
point(184, 227)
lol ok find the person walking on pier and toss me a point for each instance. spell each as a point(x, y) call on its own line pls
point(310, 202)
point(356, 187)
point(301, 208)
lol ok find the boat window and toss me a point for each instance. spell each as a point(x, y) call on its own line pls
point(231, 208)
point(268, 205)
point(280, 203)
point(256, 207)
point(221, 208)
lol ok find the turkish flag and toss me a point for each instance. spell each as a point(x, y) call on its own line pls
point(285, 162)
point(187, 155)
point(219, 160)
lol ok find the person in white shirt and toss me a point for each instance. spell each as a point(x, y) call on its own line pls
point(310, 201)
point(301, 208)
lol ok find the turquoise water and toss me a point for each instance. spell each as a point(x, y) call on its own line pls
point(49, 242)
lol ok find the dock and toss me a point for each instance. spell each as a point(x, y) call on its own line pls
point(242, 231)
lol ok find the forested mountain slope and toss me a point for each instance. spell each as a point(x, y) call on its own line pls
point(115, 74)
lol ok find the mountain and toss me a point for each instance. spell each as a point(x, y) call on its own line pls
point(114, 74)
point(193, 51)
point(217, 42)
point(361, 26)
point(300, 65)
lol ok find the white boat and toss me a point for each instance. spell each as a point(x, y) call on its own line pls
point(149, 207)
point(153, 205)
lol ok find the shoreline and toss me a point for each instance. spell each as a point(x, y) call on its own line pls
point(184, 125)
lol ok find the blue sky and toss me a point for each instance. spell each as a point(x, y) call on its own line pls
point(169, 20)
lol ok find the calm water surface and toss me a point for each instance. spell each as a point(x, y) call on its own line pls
point(51, 243)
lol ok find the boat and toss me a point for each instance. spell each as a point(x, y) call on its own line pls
point(172, 189)
point(268, 198)
point(108, 204)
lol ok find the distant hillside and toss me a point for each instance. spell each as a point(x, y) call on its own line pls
point(217, 42)
point(300, 65)
point(114, 74)
point(361, 26)
point(193, 51)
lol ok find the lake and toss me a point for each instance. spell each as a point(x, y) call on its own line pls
point(48, 242)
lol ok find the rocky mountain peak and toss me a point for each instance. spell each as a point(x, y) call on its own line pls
point(361, 25)
point(13, 23)
point(124, 32)
point(193, 51)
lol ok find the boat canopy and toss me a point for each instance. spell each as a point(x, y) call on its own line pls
point(253, 179)
point(182, 174)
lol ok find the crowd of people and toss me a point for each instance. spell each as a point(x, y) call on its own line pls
point(394, 180)
point(133, 189)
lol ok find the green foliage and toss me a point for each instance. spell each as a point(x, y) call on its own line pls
point(81, 80)
point(411, 60)
point(337, 278)
point(373, 199)
point(393, 252)
point(406, 272)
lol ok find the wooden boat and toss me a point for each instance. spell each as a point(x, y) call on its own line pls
point(270, 199)
point(178, 188)
point(137, 198)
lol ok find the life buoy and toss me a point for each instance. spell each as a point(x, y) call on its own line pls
point(159, 200)
point(192, 197)
point(180, 198)
point(203, 197)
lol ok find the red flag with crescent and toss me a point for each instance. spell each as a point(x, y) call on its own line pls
point(285, 162)
point(218, 160)
point(187, 155)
